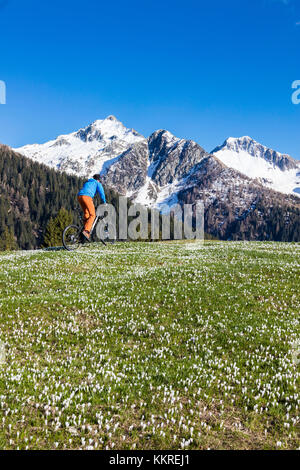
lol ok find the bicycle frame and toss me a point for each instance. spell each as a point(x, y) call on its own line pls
point(82, 222)
point(94, 224)
point(93, 227)
point(78, 238)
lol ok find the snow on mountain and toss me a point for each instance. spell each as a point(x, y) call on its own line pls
point(86, 151)
point(153, 171)
point(273, 169)
point(233, 183)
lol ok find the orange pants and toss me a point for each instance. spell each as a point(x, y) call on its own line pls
point(89, 212)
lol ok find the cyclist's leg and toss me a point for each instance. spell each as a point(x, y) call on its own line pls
point(84, 208)
point(92, 215)
point(88, 207)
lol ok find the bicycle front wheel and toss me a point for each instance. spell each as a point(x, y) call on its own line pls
point(71, 237)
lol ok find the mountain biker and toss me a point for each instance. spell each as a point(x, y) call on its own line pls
point(85, 199)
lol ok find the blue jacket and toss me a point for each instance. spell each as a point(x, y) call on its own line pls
point(91, 187)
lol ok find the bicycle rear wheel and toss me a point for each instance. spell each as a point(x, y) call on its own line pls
point(71, 237)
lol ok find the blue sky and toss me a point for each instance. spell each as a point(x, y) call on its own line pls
point(204, 70)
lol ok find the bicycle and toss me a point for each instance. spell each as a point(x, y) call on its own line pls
point(72, 237)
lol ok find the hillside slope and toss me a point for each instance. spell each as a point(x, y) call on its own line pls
point(31, 193)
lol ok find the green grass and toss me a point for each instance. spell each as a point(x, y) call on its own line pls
point(151, 346)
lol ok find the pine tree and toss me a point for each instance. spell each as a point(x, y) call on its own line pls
point(50, 234)
point(55, 228)
point(7, 240)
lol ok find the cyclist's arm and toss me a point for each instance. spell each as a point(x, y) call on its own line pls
point(100, 190)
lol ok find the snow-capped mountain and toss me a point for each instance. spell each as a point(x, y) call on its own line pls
point(164, 170)
point(273, 169)
point(86, 151)
point(234, 182)
point(156, 170)
point(151, 171)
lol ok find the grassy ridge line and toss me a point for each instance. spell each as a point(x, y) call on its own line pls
point(165, 345)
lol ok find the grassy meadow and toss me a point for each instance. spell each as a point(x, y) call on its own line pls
point(173, 345)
